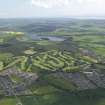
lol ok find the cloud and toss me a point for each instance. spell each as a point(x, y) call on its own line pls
point(50, 3)
point(72, 7)
point(66, 3)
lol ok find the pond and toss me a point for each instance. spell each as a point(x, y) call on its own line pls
point(44, 37)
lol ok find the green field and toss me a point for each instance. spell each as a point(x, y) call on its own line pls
point(90, 97)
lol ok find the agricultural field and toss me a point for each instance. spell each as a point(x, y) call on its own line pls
point(93, 42)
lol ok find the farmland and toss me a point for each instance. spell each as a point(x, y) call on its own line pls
point(52, 62)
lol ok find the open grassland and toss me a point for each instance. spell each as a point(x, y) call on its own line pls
point(95, 43)
point(89, 97)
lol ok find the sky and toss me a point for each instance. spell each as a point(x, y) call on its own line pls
point(51, 8)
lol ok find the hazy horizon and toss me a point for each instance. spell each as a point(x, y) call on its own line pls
point(75, 18)
point(52, 8)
